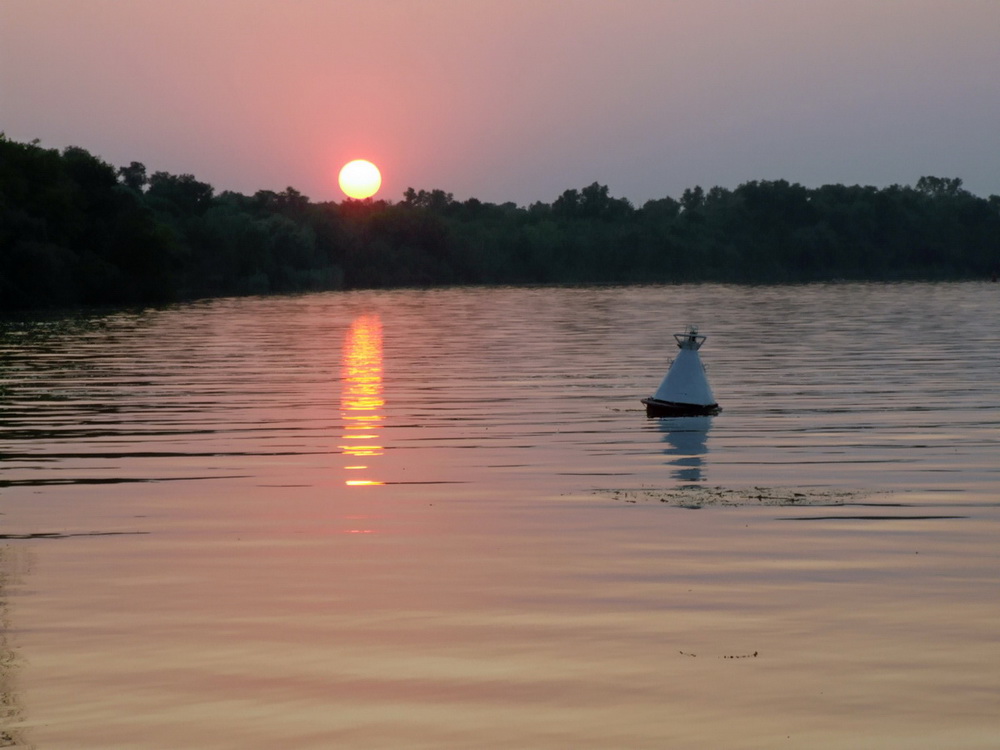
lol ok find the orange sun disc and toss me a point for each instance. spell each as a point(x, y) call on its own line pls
point(360, 179)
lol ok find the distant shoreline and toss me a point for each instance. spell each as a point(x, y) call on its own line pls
point(77, 232)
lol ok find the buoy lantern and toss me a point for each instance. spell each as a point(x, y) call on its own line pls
point(685, 390)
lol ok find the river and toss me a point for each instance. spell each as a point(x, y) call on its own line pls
point(442, 519)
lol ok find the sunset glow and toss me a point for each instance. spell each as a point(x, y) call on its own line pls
point(818, 102)
point(360, 179)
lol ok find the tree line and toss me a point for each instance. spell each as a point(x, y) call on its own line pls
point(75, 230)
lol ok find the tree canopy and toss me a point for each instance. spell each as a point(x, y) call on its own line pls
point(75, 230)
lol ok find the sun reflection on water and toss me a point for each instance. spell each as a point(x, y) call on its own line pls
point(361, 396)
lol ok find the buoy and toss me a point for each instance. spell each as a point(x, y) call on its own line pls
point(685, 391)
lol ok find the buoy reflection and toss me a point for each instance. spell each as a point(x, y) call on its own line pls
point(361, 395)
point(688, 441)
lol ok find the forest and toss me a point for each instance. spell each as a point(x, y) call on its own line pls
point(77, 231)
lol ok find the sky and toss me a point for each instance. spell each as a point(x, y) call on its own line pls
point(513, 100)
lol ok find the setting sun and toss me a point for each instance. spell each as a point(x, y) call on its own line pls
point(360, 179)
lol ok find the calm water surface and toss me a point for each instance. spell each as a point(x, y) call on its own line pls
point(441, 519)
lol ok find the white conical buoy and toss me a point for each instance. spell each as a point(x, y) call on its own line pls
point(685, 389)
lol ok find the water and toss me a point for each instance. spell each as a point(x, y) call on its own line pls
point(441, 519)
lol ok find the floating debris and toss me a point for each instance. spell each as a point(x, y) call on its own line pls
point(694, 498)
point(726, 656)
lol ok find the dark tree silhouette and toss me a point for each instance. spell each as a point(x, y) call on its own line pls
point(75, 230)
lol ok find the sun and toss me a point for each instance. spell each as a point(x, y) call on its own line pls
point(360, 179)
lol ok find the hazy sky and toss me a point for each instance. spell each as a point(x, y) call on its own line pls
point(513, 99)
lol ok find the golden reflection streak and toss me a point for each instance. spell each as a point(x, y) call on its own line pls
point(361, 396)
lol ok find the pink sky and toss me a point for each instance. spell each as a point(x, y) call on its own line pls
point(513, 99)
